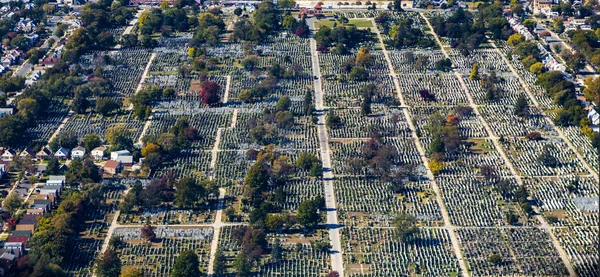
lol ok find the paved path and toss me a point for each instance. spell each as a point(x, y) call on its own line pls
point(227, 87)
point(508, 163)
point(337, 262)
point(144, 130)
point(448, 226)
point(143, 78)
point(62, 125)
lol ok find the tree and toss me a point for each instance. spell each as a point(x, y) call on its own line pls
point(474, 72)
point(108, 264)
point(364, 58)
point(405, 227)
point(91, 141)
point(546, 158)
point(514, 40)
point(308, 213)
point(188, 192)
point(219, 266)
point(276, 252)
point(209, 92)
point(147, 233)
point(105, 105)
point(286, 4)
point(534, 136)
point(132, 272)
point(28, 108)
point(186, 265)
point(306, 160)
point(521, 106)
point(495, 259)
point(283, 104)
point(12, 202)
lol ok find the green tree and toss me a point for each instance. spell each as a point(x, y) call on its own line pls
point(108, 264)
point(91, 141)
point(405, 227)
point(186, 265)
point(521, 106)
point(283, 104)
point(12, 202)
point(277, 251)
point(188, 192)
point(308, 213)
point(219, 266)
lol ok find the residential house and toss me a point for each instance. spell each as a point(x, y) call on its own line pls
point(98, 152)
point(77, 152)
point(27, 153)
point(8, 155)
point(59, 180)
point(6, 111)
point(122, 156)
point(50, 61)
point(43, 154)
point(112, 167)
point(62, 154)
point(51, 190)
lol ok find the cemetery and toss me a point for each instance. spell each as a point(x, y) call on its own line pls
point(302, 152)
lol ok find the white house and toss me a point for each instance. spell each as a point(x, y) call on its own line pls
point(61, 154)
point(98, 152)
point(115, 154)
point(58, 180)
point(8, 155)
point(594, 119)
point(77, 152)
point(27, 152)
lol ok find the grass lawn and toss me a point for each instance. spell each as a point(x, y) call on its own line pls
point(358, 23)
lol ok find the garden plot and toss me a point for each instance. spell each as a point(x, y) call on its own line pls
point(299, 257)
point(157, 258)
point(524, 155)
point(385, 121)
point(376, 252)
point(581, 246)
point(371, 202)
point(556, 197)
point(524, 251)
point(88, 244)
point(207, 121)
point(432, 89)
point(505, 123)
point(81, 125)
point(471, 202)
point(469, 125)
